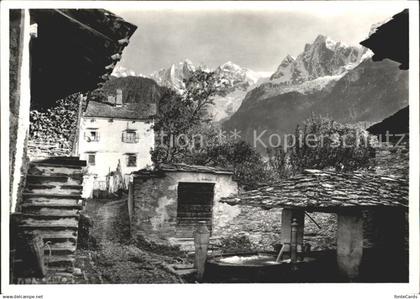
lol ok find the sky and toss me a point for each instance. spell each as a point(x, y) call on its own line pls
point(257, 39)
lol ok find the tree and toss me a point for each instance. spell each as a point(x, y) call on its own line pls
point(179, 114)
point(323, 143)
point(279, 162)
point(248, 165)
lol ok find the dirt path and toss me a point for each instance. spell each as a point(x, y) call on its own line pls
point(117, 258)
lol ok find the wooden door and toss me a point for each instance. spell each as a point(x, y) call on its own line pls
point(195, 203)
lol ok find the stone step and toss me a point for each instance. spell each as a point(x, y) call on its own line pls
point(52, 203)
point(58, 271)
point(50, 196)
point(61, 161)
point(54, 189)
point(59, 261)
point(182, 266)
point(56, 236)
point(54, 179)
point(53, 215)
point(187, 244)
point(47, 169)
point(50, 212)
point(62, 223)
point(60, 248)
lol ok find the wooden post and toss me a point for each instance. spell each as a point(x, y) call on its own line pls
point(293, 241)
point(349, 243)
point(286, 228)
point(75, 145)
point(130, 202)
point(201, 243)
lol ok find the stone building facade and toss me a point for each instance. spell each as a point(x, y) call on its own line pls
point(115, 135)
point(168, 202)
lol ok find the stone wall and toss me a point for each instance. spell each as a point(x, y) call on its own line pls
point(155, 211)
point(19, 102)
point(155, 203)
point(109, 219)
point(110, 151)
point(38, 149)
point(52, 130)
point(14, 81)
point(263, 228)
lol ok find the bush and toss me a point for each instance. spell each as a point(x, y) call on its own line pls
point(324, 143)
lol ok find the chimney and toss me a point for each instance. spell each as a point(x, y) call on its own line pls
point(153, 109)
point(119, 98)
point(111, 99)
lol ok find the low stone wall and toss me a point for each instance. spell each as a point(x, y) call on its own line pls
point(155, 212)
point(109, 219)
point(41, 149)
point(263, 228)
point(52, 131)
point(155, 203)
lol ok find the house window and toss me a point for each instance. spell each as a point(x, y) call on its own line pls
point(92, 135)
point(91, 159)
point(130, 136)
point(131, 160)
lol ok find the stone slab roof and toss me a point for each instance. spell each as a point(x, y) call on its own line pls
point(328, 191)
point(194, 168)
point(181, 167)
point(127, 111)
point(391, 40)
point(76, 50)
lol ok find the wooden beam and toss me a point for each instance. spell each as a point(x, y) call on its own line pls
point(349, 243)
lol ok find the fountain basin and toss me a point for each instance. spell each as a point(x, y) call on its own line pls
point(259, 267)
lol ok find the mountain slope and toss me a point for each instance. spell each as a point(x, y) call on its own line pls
point(368, 93)
point(238, 81)
point(174, 76)
point(320, 65)
point(324, 57)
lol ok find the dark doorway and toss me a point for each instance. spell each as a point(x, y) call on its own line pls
point(195, 203)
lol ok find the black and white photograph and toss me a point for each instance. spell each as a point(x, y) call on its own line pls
point(210, 145)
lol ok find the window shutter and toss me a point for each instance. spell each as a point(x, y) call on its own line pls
point(97, 135)
point(137, 138)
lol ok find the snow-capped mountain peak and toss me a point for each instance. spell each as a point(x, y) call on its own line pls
point(230, 66)
point(287, 60)
point(236, 81)
point(120, 71)
point(323, 57)
point(175, 75)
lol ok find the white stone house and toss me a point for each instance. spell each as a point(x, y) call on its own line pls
point(115, 135)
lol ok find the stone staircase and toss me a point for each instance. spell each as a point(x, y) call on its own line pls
point(50, 208)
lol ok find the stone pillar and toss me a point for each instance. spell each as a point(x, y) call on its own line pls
point(286, 228)
point(349, 243)
point(201, 243)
